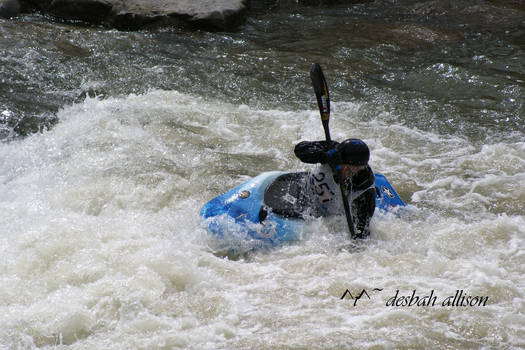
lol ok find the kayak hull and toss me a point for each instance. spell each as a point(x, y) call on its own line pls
point(237, 212)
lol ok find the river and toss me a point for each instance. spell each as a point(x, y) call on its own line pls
point(111, 141)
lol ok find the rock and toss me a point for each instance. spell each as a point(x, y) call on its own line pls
point(94, 11)
point(206, 14)
point(214, 15)
point(9, 8)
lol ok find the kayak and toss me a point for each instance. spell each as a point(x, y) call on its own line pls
point(266, 209)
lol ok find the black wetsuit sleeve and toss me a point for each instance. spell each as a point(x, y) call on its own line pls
point(313, 152)
point(364, 206)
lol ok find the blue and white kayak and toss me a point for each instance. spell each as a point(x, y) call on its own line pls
point(246, 211)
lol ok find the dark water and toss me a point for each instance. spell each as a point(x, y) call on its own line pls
point(460, 63)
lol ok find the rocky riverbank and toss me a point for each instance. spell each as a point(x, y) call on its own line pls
point(136, 14)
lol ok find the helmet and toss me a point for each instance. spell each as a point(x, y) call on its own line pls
point(354, 152)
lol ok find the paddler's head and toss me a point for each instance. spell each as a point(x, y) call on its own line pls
point(354, 155)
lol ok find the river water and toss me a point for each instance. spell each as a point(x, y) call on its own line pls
point(112, 141)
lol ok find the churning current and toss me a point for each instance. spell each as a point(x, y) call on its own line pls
point(112, 141)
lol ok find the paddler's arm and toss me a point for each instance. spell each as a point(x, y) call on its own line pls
point(313, 152)
point(364, 209)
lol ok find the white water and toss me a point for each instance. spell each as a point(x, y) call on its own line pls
point(102, 248)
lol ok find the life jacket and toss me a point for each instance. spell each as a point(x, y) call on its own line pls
point(315, 193)
point(324, 194)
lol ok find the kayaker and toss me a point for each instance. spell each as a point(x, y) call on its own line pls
point(322, 185)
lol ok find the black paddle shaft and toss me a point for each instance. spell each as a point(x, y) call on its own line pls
point(323, 102)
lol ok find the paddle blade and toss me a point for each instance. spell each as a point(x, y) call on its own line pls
point(321, 91)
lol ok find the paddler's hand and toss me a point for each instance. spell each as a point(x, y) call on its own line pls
point(328, 145)
point(333, 158)
point(328, 151)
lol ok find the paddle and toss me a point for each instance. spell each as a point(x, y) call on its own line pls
point(323, 101)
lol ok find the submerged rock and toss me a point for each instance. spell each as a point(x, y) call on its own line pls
point(217, 15)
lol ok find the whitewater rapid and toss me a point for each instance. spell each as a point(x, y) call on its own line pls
point(102, 246)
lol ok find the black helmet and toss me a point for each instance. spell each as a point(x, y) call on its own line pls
point(354, 152)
